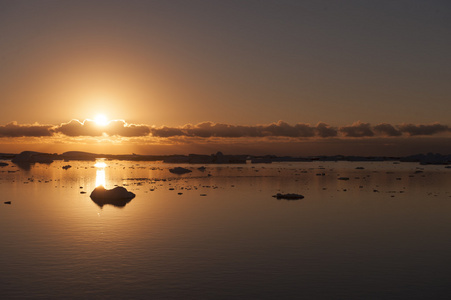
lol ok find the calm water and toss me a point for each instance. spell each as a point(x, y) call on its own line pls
point(382, 234)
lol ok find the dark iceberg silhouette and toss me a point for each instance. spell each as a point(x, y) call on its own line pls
point(279, 196)
point(179, 170)
point(119, 196)
point(34, 157)
point(25, 159)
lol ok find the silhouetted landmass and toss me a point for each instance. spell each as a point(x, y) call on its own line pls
point(27, 158)
point(7, 156)
point(34, 157)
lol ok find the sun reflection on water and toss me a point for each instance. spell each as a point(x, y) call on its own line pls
point(100, 173)
point(100, 164)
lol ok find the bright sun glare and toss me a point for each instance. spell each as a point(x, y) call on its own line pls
point(100, 172)
point(101, 120)
point(100, 165)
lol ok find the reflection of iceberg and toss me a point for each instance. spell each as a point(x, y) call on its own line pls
point(119, 196)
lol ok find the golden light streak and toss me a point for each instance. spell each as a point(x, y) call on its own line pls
point(100, 173)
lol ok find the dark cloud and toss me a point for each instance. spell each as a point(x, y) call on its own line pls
point(300, 130)
point(324, 130)
point(166, 132)
point(357, 129)
point(431, 129)
point(91, 128)
point(14, 130)
point(386, 129)
point(281, 129)
point(284, 129)
point(120, 128)
point(77, 128)
point(209, 129)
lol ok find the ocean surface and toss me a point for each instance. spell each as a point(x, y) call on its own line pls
point(385, 233)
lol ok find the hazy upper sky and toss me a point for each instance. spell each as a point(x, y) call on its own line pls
point(172, 63)
point(239, 62)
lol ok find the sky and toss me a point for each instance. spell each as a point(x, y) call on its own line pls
point(283, 77)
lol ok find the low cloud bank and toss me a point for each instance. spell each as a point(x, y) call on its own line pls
point(300, 130)
point(412, 129)
point(357, 130)
point(119, 128)
point(15, 130)
point(209, 129)
point(91, 128)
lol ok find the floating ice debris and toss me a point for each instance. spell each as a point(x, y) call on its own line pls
point(279, 196)
point(343, 178)
point(179, 170)
point(67, 167)
point(119, 196)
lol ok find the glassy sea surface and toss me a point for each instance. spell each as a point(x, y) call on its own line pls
point(384, 233)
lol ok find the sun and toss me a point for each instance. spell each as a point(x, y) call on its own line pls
point(101, 120)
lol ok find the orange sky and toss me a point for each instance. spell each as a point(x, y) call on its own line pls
point(253, 63)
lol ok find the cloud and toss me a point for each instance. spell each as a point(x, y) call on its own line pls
point(121, 128)
point(209, 129)
point(166, 132)
point(431, 129)
point(77, 128)
point(91, 128)
point(15, 130)
point(386, 129)
point(357, 129)
point(324, 130)
point(284, 129)
point(300, 130)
